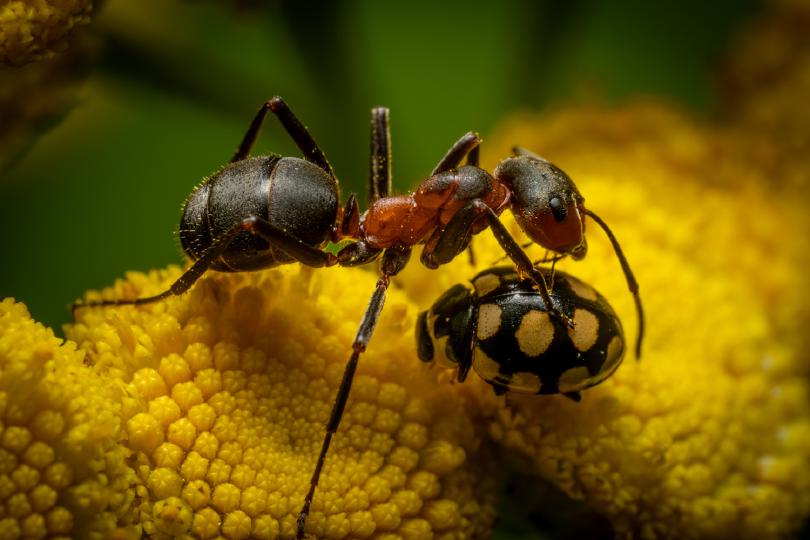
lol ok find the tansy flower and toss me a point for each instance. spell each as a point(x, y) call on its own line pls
point(201, 416)
point(63, 470)
point(35, 29)
point(226, 391)
point(222, 393)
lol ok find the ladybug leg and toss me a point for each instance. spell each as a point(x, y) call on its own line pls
point(380, 157)
point(461, 148)
point(573, 396)
point(294, 128)
point(394, 260)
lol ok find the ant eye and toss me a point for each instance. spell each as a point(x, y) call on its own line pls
point(558, 209)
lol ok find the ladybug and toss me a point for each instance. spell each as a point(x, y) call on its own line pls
point(500, 326)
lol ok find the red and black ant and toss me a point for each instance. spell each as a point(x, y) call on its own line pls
point(264, 211)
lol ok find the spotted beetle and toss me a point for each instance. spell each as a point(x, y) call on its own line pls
point(501, 328)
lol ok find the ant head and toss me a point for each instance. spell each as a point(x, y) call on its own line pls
point(545, 202)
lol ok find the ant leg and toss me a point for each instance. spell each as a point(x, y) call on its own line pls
point(523, 264)
point(520, 151)
point(295, 129)
point(289, 244)
point(292, 246)
point(357, 253)
point(457, 152)
point(446, 243)
point(183, 283)
point(548, 258)
point(380, 155)
point(473, 159)
point(474, 156)
point(393, 262)
point(349, 221)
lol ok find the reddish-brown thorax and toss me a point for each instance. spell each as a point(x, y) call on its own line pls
point(408, 220)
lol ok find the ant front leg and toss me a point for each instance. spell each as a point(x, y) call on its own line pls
point(447, 243)
point(294, 128)
point(462, 148)
point(473, 160)
point(294, 247)
point(394, 260)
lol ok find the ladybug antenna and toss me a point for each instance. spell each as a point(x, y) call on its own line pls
point(632, 284)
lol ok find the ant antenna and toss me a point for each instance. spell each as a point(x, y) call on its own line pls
point(632, 284)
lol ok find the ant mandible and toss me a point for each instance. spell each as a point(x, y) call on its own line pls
point(264, 211)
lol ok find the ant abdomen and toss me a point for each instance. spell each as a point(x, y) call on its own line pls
point(291, 194)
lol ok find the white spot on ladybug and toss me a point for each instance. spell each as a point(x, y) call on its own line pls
point(487, 368)
point(535, 333)
point(525, 382)
point(585, 331)
point(486, 283)
point(583, 290)
point(489, 320)
point(574, 379)
point(615, 352)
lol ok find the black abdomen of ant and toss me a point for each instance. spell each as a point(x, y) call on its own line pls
point(291, 194)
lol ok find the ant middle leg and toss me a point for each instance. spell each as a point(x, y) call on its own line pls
point(394, 260)
point(294, 247)
point(295, 129)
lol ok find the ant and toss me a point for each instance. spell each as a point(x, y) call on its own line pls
point(264, 211)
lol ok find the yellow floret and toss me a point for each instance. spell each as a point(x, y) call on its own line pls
point(63, 469)
point(230, 423)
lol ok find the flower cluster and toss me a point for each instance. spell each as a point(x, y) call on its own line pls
point(30, 30)
point(227, 391)
point(63, 469)
point(201, 416)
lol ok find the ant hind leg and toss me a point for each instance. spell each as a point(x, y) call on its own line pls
point(295, 129)
point(295, 248)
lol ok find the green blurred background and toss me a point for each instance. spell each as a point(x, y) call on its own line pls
point(168, 88)
point(171, 86)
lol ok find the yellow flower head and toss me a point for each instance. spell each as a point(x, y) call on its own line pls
point(201, 416)
point(216, 400)
point(227, 390)
point(63, 471)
